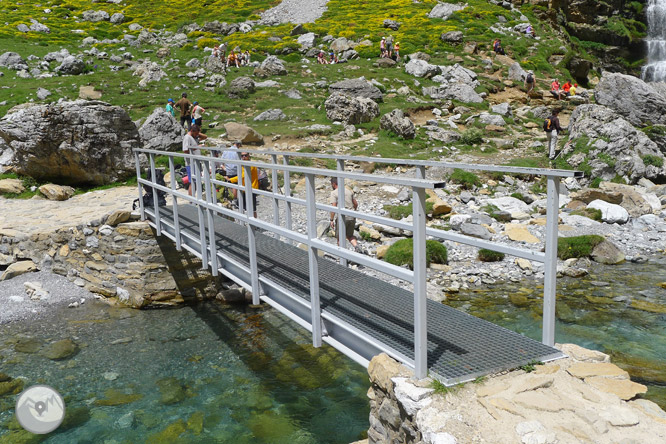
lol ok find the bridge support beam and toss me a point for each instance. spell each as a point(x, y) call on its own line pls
point(550, 265)
point(313, 268)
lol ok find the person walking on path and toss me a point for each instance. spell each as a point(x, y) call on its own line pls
point(197, 113)
point(191, 146)
point(170, 108)
point(184, 106)
point(530, 81)
point(552, 127)
point(350, 222)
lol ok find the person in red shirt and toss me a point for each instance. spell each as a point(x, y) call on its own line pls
point(566, 89)
point(555, 89)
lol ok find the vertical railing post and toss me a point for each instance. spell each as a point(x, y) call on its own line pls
point(420, 297)
point(550, 265)
point(174, 204)
point(420, 172)
point(196, 178)
point(274, 179)
point(211, 199)
point(156, 206)
point(251, 234)
point(315, 306)
point(138, 182)
point(287, 193)
point(342, 229)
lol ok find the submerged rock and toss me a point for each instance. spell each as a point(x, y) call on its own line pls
point(60, 350)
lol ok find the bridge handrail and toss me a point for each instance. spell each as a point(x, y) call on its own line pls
point(419, 163)
point(207, 205)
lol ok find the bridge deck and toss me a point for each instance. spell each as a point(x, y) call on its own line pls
point(460, 346)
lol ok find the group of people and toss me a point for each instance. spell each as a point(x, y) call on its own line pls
point(190, 113)
point(388, 49)
point(235, 58)
point(566, 90)
point(332, 58)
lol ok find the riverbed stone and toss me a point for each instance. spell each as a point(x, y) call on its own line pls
point(624, 389)
point(11, 186)
point(520, 233)
point(60, 350)
point(56, 192)
point(585, 370)
point(607, 253)
point(610, 213)
point(171, 390)
point(18, 268)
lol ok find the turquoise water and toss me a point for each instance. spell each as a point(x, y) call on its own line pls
point(203, 374)
point(619, 310)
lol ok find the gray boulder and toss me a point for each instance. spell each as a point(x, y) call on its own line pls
point(23, 27)
point(503, 109)
point(632, 98)
point(347, 55)
point(161, 131)
point(517, 73)
point(491, 119)
point(445, 10)
point(357, 88)
point(391, 24)
point(307, 40)
point(79, 142)
point(42, 93)
point(607, 253)
point(386, 63)
point(271, 114)
point(441, 135)
point(95, 16)
point(458, 74)
point(212, 64)
point(149, 72)
point(271, 66)
point(241, 87)
point(117, 18)
point(71, 65)
point(13, 61)
point(454, 37)
point(457, 91)
point(349, 109)
point(611, 136)
point(39, 27)
point(421, 68)
point(419, 56)
point(340, 44)
point(195, 63)
point(475, 230)
point(397, 123)
point(57, 56)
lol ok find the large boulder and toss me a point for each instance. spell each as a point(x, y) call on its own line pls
point(71, 65)
point(456, 91)
point(344, 108)
point(307, 40)
point(96, 16)
point(79, 142)
point(271, 66)
point(238, 131)
point(396, 122)
point(445, 10)
point(161, 131)
point(607, 253)
point(458, 74)
point(517, 73)
point(212, 64)
point(421, 68)
point(241, 87)
point(340, 44)
point(610, 213)
point(357, 88)
point(632, 98)
point(13, 61)
point(271, 114)
point(614, 146)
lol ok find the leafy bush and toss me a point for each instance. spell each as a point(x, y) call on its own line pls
point(471, 136)
point(577, 246)
point(650, 159)
point(490, 255)
point(401, 211)
point(402, 253)
point(595, 182)
point(465, 178)
point(206, 43)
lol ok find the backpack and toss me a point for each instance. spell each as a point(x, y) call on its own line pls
point(264, 183)
point(530, 78)
point(148, 193)
point(548, 125)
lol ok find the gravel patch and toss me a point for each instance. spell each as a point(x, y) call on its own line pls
point(16, 305)
point(295, 11)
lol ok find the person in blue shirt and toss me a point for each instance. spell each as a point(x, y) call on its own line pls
point(170, 108)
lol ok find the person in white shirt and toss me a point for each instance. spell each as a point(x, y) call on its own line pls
point(191, 146)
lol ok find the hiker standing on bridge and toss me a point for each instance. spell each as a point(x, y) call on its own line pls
point(350, 222)
point(191, 146)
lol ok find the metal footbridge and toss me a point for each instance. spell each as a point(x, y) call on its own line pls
point(357, 313)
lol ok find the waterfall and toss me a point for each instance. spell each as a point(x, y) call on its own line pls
point(655, 70)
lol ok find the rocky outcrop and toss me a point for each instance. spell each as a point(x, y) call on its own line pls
point(149, 72)
point(348, 109)
point(13, 61)
point(456, 91)
point(421, 68)
point(71, 65)
point(638, 102)
point(445, 10)
point(241, 87)
point(271, 114)
point(397, 123)
point(584, 389)
point(359, 87)
point(161, 131)
point(614, 146)
point(80, 142)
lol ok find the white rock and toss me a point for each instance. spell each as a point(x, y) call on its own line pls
point(610, 213)
point(510, 204)
point(123, 295)
point(653, 201)
point(73, 305)
point(411, 397)
point(16, 298)
point(110, 376)
point(35, 291)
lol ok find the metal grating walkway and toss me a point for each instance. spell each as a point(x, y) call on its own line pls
point(460, 346)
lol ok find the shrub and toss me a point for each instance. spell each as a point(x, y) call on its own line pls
point(471, 136)
point(206, 43)
point(591, 213)
point(650, 159)
point(490, 255)
point(577, 246)
point(401, 211)
point(402, 253)
point(465, 178)
point(595, 182)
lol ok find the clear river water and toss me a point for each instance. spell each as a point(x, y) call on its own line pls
point(217, 374)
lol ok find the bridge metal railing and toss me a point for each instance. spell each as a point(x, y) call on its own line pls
point(205, 199)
